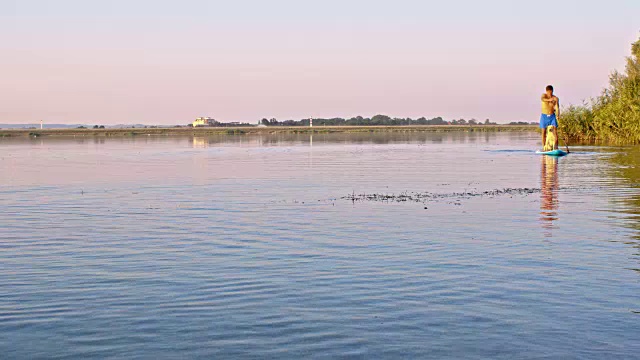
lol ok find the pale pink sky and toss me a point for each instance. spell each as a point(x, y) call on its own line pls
point(167, 62)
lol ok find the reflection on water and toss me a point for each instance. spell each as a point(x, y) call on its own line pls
point(280, 139)
point(548, 192)
point(627, 170)
point(199, 142)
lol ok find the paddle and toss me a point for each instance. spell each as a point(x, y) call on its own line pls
point(565, 145)
point(565, 141)
point(558, 125)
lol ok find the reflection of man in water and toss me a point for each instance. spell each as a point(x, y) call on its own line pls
point(549, 190)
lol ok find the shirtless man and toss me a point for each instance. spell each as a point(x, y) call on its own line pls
point(550, 114)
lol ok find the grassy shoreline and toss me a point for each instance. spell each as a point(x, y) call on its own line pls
point(614, 116)
point(204, 131)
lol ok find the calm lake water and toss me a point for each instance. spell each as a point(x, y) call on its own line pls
point(243, 247)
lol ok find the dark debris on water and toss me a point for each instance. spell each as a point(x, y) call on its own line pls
point(428, 196)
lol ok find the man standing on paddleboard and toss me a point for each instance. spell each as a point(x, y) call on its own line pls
point(550, 114)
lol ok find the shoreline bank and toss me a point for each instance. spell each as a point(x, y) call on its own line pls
point(205, 131)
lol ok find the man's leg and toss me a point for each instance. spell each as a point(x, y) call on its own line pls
point(544, 138)
point(555, 132)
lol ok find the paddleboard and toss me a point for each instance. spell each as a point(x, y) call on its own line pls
point(556, 152)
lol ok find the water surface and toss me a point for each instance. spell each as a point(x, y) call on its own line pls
point(242, 247)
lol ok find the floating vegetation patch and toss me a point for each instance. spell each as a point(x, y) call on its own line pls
point(428, 196)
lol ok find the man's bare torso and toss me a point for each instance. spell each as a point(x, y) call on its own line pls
point(549, 107)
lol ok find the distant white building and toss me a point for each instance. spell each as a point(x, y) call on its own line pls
point(204, 121)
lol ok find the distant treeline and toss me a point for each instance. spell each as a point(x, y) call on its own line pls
point(381, 120)
point(232, 124)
